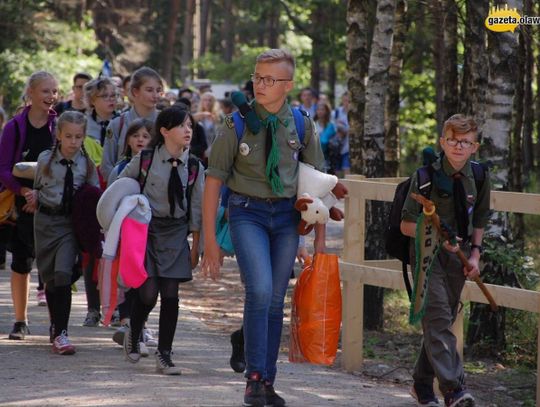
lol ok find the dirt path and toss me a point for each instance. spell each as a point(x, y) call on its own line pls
point(98, 375)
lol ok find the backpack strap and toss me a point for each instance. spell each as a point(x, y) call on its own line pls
point(299, 122)
point(144, 167)
point(425, 177)
point(239, 124)
point(479, 173)
point(298, 115)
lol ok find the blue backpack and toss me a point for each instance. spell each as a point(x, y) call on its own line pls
point(298, 114)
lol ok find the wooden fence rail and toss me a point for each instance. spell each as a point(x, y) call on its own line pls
point(356, 271)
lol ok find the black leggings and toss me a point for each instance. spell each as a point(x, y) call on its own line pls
point(59, 304)
point(145, 301)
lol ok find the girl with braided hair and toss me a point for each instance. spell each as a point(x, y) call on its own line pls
point(59, 174)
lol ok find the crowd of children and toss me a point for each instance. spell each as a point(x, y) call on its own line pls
point(106, 133)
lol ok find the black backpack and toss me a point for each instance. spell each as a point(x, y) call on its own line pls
point(396, 243)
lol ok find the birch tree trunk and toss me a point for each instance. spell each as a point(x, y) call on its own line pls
point(392, 145)
point(475, 66)
point(357, 68)
point(503, 59)
point(373, 149)
point(528, 114)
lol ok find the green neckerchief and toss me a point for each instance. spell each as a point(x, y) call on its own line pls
point(272, 161)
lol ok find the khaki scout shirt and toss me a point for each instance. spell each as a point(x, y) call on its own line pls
point(242, 165)
point(477, 201)
point(51, 187)
point(157, 183)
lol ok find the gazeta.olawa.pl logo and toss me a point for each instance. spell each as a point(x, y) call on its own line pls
point(503, 19)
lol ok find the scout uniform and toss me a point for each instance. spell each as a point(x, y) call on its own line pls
point(439, 357)
point(241, 165)
point(56, 246)
point(167, 250)
point(116, 139)
point(263, 221)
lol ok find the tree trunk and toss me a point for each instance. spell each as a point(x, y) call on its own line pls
point(205, 15)
point(317, 49)
point(502, 53)
point(170, 39)
point(444, 15)
point(228, 32)
point(357, 64)
point(373, 150)
point(419, 38)
point(537, 107)
point(391, 145)
point(516, 153)
point(187, 46)
point(528, 114)
point(332, 79)
point(475, 66)
point(273, 27)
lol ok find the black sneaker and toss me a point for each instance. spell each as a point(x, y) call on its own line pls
point(254, 395)
point(238, 360)
point(19, 331)
point(271, 397)
point(132, 351)
point(164, 363)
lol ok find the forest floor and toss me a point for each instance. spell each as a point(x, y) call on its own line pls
point(98, 374)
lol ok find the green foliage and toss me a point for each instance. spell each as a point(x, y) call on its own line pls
point(417, 117)
point(64, 49)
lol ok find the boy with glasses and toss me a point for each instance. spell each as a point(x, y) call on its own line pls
point(77, 101)
point(465, 208)
point(261, 171)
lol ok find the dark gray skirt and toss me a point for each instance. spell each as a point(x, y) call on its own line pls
point(55, 245)
point(167, 249)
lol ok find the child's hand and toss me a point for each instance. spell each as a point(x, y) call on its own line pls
point(194, 254)
point(302, 255)
point(474, 272)
point(211, 261)
point(451, 248)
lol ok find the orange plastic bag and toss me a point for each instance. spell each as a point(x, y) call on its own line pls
point(316, 312)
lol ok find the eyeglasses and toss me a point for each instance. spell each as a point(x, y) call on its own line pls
point(108, 96)
point(452, 142)
point(266, 80)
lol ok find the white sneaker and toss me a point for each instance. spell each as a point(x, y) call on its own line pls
point(148, 338)
point(143, 350)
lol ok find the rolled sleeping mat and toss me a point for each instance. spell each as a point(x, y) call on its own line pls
point(25, 169)
point(110, 200)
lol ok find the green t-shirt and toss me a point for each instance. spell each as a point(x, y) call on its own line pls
point(241, 165)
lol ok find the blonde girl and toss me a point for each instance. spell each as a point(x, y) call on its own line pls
point(209, 115)
point(60, 173)
point(24, 137)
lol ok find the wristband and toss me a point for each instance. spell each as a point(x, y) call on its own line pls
point(477, 246)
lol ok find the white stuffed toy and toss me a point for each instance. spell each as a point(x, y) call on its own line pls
point(317, 194)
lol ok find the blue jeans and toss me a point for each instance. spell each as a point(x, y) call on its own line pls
point(265, 242)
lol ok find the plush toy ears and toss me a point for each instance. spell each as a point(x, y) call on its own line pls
point(301, 204)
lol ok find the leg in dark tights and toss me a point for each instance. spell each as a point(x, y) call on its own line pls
point(168, 315)
point(143, 303)
point(49, 294)
point(90, 286)
point(125, 307)
point(62, 308)
point(40, 284)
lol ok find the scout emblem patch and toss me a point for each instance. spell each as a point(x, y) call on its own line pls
point(229, 122)
point(109, 133)
point(426, 248)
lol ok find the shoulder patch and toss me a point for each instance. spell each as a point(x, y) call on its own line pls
point(109, 133)
point(229, 121)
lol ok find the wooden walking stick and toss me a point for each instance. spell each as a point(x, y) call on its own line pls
point(429, 211)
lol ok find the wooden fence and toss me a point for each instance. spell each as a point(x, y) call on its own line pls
point(356, 271)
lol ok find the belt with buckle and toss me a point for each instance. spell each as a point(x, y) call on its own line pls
point(52, 211)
